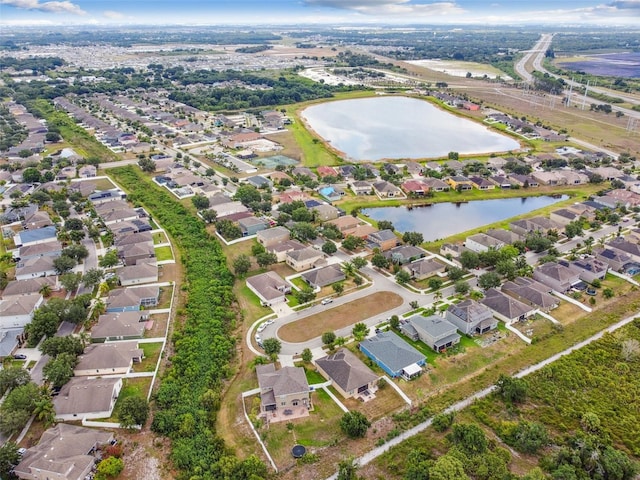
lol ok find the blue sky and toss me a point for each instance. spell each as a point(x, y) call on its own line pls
point(217, 12)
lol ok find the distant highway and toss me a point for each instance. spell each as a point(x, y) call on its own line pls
point(536, 56)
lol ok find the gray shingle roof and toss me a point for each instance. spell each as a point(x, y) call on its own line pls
point(391, 350)
point(346, 370)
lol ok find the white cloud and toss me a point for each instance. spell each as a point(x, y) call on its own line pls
point(113, 15)
point(64, 6)
point(384, 8)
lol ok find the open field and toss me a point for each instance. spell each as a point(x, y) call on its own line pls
point(339, 317)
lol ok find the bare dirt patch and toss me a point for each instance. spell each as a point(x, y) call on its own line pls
point(339, 317)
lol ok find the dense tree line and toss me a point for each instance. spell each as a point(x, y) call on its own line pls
point(11, 132)
point(189, 394)
point(35, 64)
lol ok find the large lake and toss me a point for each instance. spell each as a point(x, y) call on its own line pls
point(371, 129)
point(442, 220)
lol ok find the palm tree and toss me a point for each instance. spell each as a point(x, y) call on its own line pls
point(44, 410)
point(588, 243)
point(45, 291)
point(349, 269)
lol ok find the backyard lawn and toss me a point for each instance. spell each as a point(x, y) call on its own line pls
point(151, 355)
point(339, 317)
point(164, 253)
point(160, 237)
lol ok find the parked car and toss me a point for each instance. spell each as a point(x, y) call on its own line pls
point(20, 356)
point(326, 301)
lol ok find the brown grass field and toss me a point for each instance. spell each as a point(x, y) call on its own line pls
point(339, 317)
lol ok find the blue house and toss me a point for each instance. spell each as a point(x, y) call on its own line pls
point(35, 237)
point(395, 356)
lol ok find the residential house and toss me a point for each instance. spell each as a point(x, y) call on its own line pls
point(361, 231)
point(64, 452)
point(395, 356)
point(144, 271)
point(505, 307)
point(553, 178)
point(324, 171)
point(272, 236)
point(434, 331)
point(321, 277)
point(331, 193)
point(452, 250)
point(107, 196)
point(34, 237)
point(37, 220)
point(614, 258)
point(133, 238)
point(384, 189)
point(383, 239)
point(436, 185)
point(281, 249)
point(9, 340)
point(535, 224)
point(526, 181)
point(17, 311)
point(325, 212)
point(132, 298)
point(530, 291)
point(589, 268)
point(482, 183)
point(252, 225)
point(481, 242)
point(119, 326)
point(131, 254)
point(348, 374)
point(269, 287)
point(304, 259)
point(413, 168)
point(304, 172)
point(48, 249)
point(122, 215)
point(35, 267)
point(87, 171)
point(361, 187)
point(112, 358)
point(32, 285)
point(404, 254)
point(507, 237)
point(574, 178)
point(84, 398)
point(415, 188)
point(559, 277)
point(564, 216)
point(424, 268)
point(285, 390)
point(345, 223)
point(500, 181)
point(458, 182)
point(471, 317)
point(259, 181)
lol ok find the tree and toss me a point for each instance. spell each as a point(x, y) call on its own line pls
point(354, 424)
point(630, 349)
point(265, 259)
point(455, 273)
point(147, 165)
point(70, 281)
point(109, 259)
point(77, 252)
point(9, 458)
point(352, 243)
point(338, 288)
point(44, 324)
point(13, 377)
point(347, 470)
point(228, 229)
point(272, 347)
point(200, 202)
point(40, 197)
point(469, 260)
point(307, 356)
point(44, 410)
point(92, 277)
point(108, 468)
point(413, 238)
point(59, 370)
point(303, 231)
point(31, 175)
point(241, 265)
point(63, 264)
point(359, 263)
point(328, 338)
point(133, 411)
point(573, 229)
point(469, 437)
point(380, 261)
point(209, 216)
point(529, 437)
point(443, 421)
point(394, 322)
point(489, 280)
point(329, 247)
point(247, 194)
point(73, 224)
point(305, 295)
point(54, 346)
point(447, 467)
point(403, 277)
point(608, 293)
point(360, 331)
point(511, 389)
point(385, 225)
point(461, 287)
point(434, 283)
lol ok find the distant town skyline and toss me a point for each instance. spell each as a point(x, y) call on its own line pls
point(266, 12)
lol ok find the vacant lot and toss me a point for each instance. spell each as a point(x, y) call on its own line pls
point(339, 317)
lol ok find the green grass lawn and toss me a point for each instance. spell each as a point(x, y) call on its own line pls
point(131, 387)
point(160, 237)
point(313, 376)
point(299, 282)
point(151, 355)
point(164, 253)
